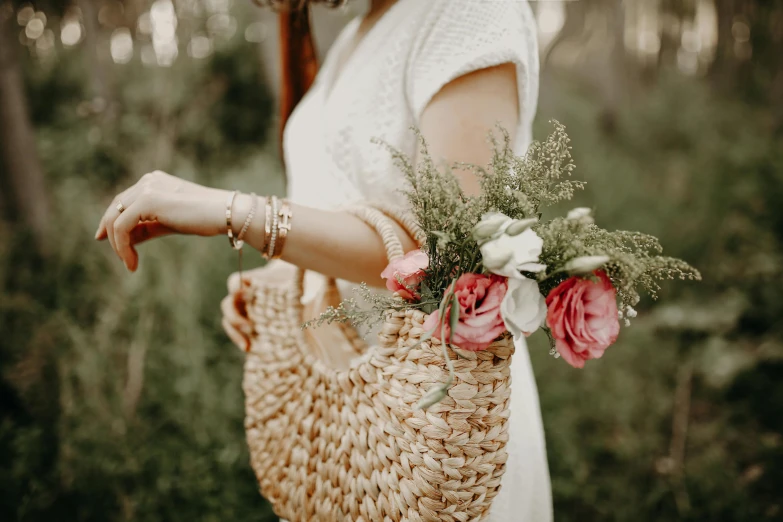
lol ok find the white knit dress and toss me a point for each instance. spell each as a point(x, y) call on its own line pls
point(416, 48)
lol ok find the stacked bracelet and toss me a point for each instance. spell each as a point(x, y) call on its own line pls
point(238, 242)
point(267, 227)
point(240, 237)
point(283, 227)
point(276, 227)
point(229, 224)
point(270, 253)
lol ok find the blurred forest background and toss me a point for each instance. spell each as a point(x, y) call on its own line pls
point(120, 395)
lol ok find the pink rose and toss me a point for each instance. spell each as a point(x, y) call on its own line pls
point(480, 322)
point(403, 275)
point(582, 315)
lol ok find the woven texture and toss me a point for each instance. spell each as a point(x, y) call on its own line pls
point(336, 445)
point(349, 445)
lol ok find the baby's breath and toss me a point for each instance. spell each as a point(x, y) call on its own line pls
point(519, 187)
point(635, 260)
point(349, 310)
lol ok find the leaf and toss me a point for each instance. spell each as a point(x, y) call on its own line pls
point(444, 238)
point(428, 308)
point(433, 396)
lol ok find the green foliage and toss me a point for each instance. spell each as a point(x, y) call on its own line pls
point(702, 173)
point(445, 214)
point(121, 396)
point(518, 187)
point(121, 383)
point(237, 116)
point(634, 258)
point(372, 310)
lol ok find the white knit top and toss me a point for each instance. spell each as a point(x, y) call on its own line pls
point(413, 50)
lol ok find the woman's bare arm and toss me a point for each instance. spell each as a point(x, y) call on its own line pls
point(455, 124)
point(456, 121)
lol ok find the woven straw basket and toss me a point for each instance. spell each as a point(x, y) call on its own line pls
point(340, 444)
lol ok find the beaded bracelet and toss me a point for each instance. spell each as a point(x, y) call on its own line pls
point(267, 228)
point(270, 253)
point(283, 227)
point(239, 241)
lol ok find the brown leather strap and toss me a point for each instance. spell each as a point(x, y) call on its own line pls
point(298, 60)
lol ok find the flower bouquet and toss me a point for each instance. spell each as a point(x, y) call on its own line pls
point(490, 266)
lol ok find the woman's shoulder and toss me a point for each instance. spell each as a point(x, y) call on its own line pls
point(484, 18)
point(455, 37)
point(454, 30)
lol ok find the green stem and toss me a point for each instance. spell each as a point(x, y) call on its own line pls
point(444, 304)
point(449, 365)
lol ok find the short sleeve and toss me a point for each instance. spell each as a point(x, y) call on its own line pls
point(461, 36)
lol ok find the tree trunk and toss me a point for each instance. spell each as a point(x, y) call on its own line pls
point(615, 86)
point(682, 12)
point(723, 67)
point(21, 168)
point(573, 28)
point(99, 77)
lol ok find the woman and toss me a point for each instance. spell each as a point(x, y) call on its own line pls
point(453, 68)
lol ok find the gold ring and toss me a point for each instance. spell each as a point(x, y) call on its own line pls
point(120, 207)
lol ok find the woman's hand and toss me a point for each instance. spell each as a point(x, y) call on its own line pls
point(157, 205)
point(235, 321)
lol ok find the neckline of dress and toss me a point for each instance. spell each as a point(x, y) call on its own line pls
point(334, 76)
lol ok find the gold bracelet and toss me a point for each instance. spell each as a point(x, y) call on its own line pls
point(229, 225)
point(283, 227)
point(239, 240)
point(273, 229)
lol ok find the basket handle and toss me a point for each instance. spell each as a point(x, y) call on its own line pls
point(403, 218)
point(381, 224)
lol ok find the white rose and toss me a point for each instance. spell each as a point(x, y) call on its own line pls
point(492, 224)
point(523, 308)
point(585, 264)
point(507, 255)
point(582, 215)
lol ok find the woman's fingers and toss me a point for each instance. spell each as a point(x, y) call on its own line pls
point(229, 309)
point(157, 205)
point(100, 234)
point(126, 242)
point(233, 283)
point(237, 338)
point(238, 328)
point(125, 198)
point(147, 230)
point(121, 228)
point(141, 232)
